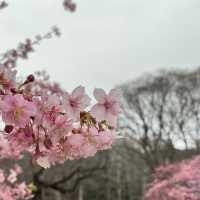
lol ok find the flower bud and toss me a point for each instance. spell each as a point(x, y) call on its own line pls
point(8, 128)
point(13, 90)
point(29, 79)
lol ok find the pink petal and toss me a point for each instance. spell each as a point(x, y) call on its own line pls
point(88, 150)
point(22, 122)
point(115, 109)
point(9, 99)
point(8, 118)
point(85, 101)
point(104, 140)
point(115, 95)
point(30, 109)
point(93, 132)
point(74, 114)
point(99, 112)
point(66, 98)
point(78, 92)
point(53, 100)
point(111, 119)
point(100, 95)
point(19, 99)
point(5, 106)
point(76, 140)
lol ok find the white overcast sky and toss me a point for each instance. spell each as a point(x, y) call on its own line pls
point(106, 42)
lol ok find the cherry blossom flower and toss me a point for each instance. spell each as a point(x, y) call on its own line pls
point(76, 140)
point(88, 150)
point(75, 102)
point(21, 139)
point(48, 109)
point(8, 149)
point(107, 107)
point(61, 127)
point(16, 110)
point(104, 139)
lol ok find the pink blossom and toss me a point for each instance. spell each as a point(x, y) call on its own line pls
point(21, 139)
point(176, 181)
point(22, 191)
point(8, 149)
point(75, 102)
point(64, 123)
point(74, 146)
point(88, 142)
point(76, 141)
point(61, 127)
point(11, 188)
point(104, 139)
point(16, 110)
point(107, 107)
point(48, 109)
point(88, 150)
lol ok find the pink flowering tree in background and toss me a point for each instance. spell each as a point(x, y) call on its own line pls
point(180, 181)
point(41, 119)
point(11, 189)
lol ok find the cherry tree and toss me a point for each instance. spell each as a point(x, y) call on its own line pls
point(179, 181)
point(42, 119)
point(11, 189)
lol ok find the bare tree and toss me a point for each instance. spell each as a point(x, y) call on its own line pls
point(161, 115)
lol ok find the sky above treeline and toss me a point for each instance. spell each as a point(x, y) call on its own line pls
point(106, 42)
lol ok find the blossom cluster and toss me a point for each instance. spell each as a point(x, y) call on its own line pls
point(180, 181)
point(11, 188)
point(54, 126)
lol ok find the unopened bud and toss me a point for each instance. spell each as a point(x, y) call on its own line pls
point(29, 79)
point(2, 92)
point(8, 128)
point(13, 90)
point(69, 5)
